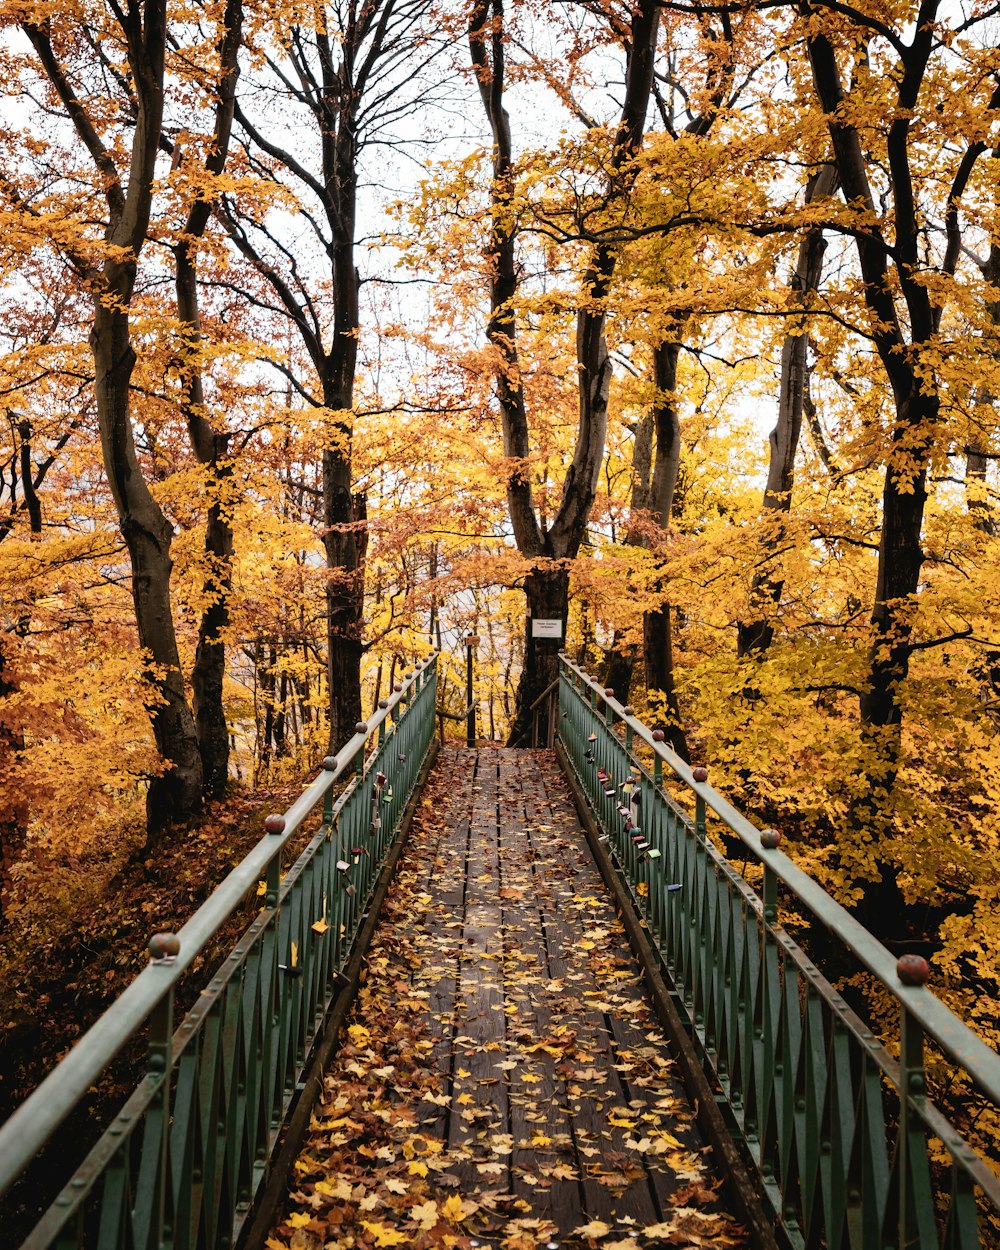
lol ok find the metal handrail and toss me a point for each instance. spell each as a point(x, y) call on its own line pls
point(802, 1078)
point(252, 972)
point(547, 693)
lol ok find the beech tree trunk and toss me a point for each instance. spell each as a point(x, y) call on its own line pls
point(658, 644)
point(14, 819)
point(176, 794)
point(210, 446)
point(621, 659)
point(340, 68)
point(344, 513)
point(546, 589)
point(898, 340)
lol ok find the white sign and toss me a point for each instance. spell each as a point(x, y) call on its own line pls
point(546, 629)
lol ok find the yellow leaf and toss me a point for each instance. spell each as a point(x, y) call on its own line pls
point(298, 1219)
point(384, 1236)
point(417, 1168)
point(596, 1228)
point(455, 1210)
point(425, 1214)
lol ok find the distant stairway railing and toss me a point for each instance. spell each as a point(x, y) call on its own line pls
point(183, 1161)
point(835, 1129)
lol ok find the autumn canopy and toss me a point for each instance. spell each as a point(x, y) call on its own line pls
point(334, 333)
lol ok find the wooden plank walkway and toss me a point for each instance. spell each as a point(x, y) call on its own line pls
point(503, 1082)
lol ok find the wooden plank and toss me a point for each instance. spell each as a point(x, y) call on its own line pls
point(529, 1080)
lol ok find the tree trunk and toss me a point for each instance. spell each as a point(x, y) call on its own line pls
point(546, 589)
point(344, 513)
point(209, 670)
point(14, 819)
point(176, 794)
point(211, 448)
point(657, 635)
point(547, 585)
point(621, 659)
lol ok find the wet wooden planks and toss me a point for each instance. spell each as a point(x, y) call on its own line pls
point(504, 1082)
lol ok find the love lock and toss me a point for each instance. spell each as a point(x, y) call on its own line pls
point(401, 757)
point(652, 853)
point(380, 779)
point(376, 824)
point(357, 852)
point(601, 775)
point(623, 812)
point(610, 792)
point(387, 797)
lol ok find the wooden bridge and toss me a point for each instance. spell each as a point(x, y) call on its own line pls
point(515, 999)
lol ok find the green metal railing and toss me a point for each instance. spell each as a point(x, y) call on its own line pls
point(836, 1130)
point(181, 1163)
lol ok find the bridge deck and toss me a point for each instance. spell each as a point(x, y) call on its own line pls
point(504, 1082)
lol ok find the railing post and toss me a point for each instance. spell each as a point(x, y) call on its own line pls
point(915, 1213)
point(149, 1213)
point(471, 642)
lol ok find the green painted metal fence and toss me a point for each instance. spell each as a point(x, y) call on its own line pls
point(181, 1163)
point(835, 1128)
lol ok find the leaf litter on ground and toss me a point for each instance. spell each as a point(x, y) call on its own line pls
point(499, 1086)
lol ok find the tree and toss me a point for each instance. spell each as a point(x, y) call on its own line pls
point(346, 78)
point(210, 445)
point(877, 146)
point(67, 51)
point(551, 548)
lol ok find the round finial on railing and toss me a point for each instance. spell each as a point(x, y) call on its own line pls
point(361, 727)
point(770, 839)
point(609, 692)
point(629, 710)
point(330, 764)
point(397, 686)
point(700, 773)
point(913, 969)
point(657, 735)
point(383, 703)
point(274, 824)
point(164, 946)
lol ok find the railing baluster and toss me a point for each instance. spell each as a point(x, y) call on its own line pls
point(803, 1078)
